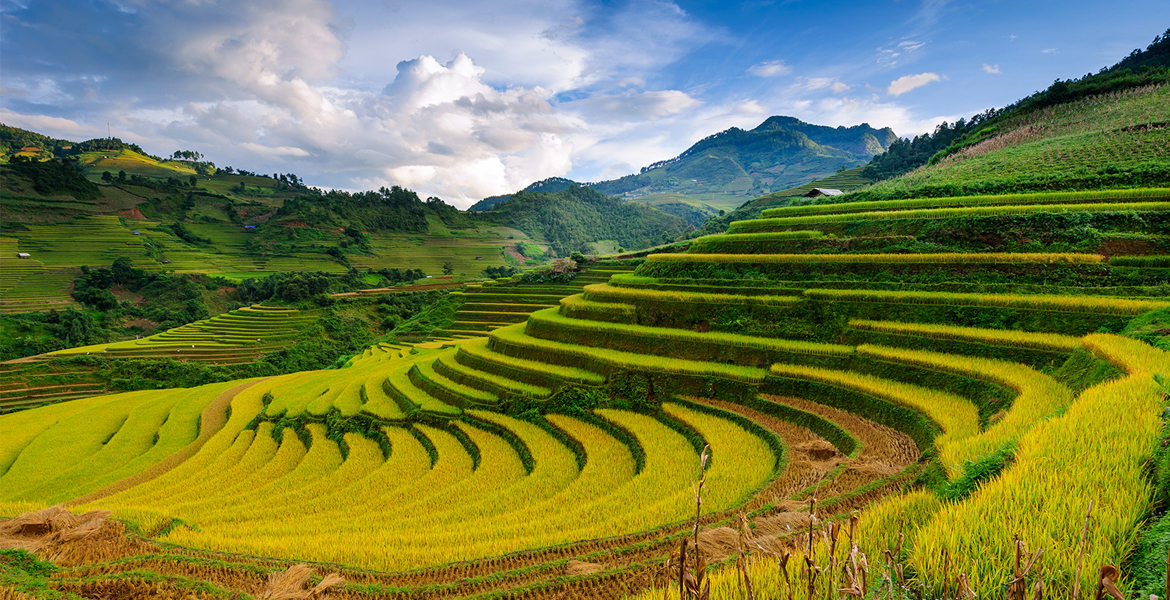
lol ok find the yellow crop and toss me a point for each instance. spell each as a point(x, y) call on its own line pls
point(993, 337)
point(957, 417)
point(1038, 397)
point(1096, 451)
point(1092, 304)
point(949, 258)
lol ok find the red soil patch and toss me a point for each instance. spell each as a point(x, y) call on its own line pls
point(132, 213)
point(124, 295)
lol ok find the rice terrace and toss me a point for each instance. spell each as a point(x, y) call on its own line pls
point(919, 359)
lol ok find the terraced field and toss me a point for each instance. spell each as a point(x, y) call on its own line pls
point(239, 336)
point(488, 306)
point(26, 284)
point(548, 448)
point(58, 250)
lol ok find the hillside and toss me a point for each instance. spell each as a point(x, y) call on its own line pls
point(551, 185)
point(88, 203)
point(723, 170)
point(576, 217)
point(948, 383)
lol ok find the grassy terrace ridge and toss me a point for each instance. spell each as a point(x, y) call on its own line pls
point(1043, 258)
point(1025, 339)
point(513, 338)
point(551, 320)
point(938, 365)
point(764, 225)
point(1093, 304)
point(605, 292)
point(248, 328)
point(1084, 197)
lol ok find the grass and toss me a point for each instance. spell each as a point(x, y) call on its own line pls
point(1090, 304)
point(1082, 197)
point(994, 337)
point(956, 258)
point(672, 341)
point(1038, 397)
point(238, 336)
point(956, 416)
point(252, 492)
point(766, 225)
point(1061, 465)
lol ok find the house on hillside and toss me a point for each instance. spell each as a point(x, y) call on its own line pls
point(818, 192)
point(23, 255)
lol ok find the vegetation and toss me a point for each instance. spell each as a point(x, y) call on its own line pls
point(862, 396)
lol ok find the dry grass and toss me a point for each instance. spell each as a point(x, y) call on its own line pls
point(293, 584)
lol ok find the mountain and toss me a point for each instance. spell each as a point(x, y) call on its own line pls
point(722, 171)
point(576, 217)
point(551, 185)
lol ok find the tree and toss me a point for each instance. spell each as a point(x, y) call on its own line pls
point(122, 176)
point(107, 177)
point(448, 268)
point(193, 181)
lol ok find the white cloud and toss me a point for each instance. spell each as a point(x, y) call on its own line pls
point(274, 151)
point(771, 68)
point(906, 83)
point(1048, 51)
point(820, 83)
point(893, 54)
point(991, 69)
point(644, 106)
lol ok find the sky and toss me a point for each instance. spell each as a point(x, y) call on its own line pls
point(465, 99)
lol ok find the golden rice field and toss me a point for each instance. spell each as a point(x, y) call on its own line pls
point(543, 447)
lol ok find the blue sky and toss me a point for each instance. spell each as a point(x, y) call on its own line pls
point(465, 99)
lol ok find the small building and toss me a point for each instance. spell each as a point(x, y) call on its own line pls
point(818, 192)
point(166, 261)
point(479, 258)
point(136, 232)
point(23, 255)
point(249, 227)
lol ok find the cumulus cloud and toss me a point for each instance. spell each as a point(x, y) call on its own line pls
point(771, 68)
point(906, 83)
point(991, 69)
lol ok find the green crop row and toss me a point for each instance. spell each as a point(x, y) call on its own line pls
point(514, 337)
point(1093, 304)
point(477, 354)
point(1149, 262)
point(763, 225)
point(399, 386)
point(1038, 397)
point(608, 293)
point(712, 243)
point(577, 307)
point(1098, 451)
point(713, 345)
point(448, 366)
point(995, 337)
point(955, 258)
point(956, 416)
point(964, 201)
